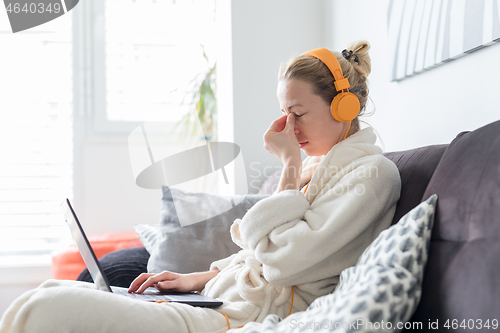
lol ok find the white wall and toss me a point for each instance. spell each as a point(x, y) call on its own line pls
point(428, 108)
point(264, 34)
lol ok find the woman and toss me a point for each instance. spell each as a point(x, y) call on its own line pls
point(326, 210)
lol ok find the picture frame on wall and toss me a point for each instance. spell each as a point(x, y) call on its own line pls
point(427, 33)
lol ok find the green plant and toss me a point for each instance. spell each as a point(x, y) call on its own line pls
point(203, 108)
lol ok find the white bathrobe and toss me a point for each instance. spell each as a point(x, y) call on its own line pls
point(287, 239)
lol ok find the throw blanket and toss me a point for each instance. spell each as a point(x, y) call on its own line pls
point(287, 239)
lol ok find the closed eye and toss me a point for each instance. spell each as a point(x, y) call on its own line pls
point(296, 115)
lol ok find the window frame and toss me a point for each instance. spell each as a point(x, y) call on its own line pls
point(89, 24)
point(90, 123)
point(90, 20)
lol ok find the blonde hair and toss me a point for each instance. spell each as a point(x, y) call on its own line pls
point(313, 70)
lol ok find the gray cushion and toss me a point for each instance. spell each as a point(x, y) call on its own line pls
point(191, 248)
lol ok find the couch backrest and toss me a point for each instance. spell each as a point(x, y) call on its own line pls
point(416, 167)
point(462, 278)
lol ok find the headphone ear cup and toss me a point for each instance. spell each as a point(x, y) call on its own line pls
point(345, 107)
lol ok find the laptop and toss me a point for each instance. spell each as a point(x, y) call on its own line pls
point(101, 281)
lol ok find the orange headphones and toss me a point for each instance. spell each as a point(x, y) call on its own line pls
point(345, 106)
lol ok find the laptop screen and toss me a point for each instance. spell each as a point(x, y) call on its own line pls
point(83, 244)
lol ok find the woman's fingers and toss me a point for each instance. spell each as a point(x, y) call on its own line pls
point(290, 124)
point(150, 282)
point(280, 139)
point(280, 132)
point(278, 125)
point(145, 281)
point(139, 281)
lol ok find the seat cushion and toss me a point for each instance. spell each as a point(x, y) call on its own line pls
point(462, 277)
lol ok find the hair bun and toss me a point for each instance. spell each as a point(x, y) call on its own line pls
point(358, 53)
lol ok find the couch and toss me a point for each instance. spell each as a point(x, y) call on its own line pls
point(461, 285)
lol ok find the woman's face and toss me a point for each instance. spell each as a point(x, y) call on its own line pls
point(315, 128)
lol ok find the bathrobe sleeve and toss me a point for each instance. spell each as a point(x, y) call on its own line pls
point(298, 242)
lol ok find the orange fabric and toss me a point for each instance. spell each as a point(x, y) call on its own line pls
point(68, 264)
point(329, 59)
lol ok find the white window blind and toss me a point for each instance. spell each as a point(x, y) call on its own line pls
point(35, 141)
point(152, 53)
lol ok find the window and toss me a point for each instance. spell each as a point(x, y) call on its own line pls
point(35, 141)
point(132, 62)
point(147, 57)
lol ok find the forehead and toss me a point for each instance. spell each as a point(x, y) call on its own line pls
point(294, 89)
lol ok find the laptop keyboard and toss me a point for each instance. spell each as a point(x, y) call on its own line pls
point(143, 297)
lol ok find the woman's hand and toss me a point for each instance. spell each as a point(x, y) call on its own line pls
point(163, 281)
point(280, 141)
point(172, 281)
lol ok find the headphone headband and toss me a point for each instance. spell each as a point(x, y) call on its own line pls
point(330, 60)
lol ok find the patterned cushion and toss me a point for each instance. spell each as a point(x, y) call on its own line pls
point(381, 292)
